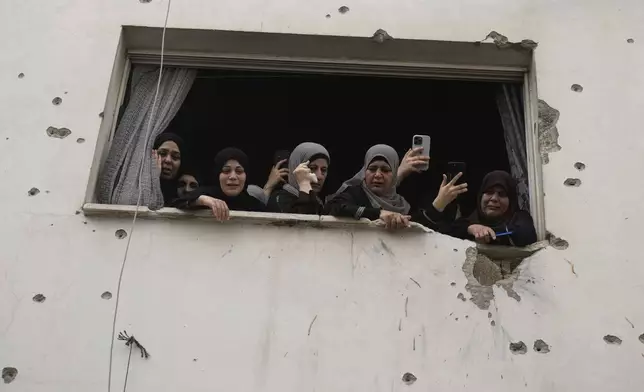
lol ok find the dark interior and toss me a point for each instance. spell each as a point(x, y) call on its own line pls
point(262, 112)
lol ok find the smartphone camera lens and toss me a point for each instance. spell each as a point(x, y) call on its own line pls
point(418, 140)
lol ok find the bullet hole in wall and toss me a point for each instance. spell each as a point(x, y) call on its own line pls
point(409, 378)
point(343, 10)
point(574, 182)
point(144, 1)
point(579, 166)
point(9, 374)
point(106, 295)
point(453, 284)
point(21, 75)
point(630, 40)
point(39, 298)
point(33, 191)
point(461, 297)
point(518, 348)
point(612, 339)
point(541, 347)
point(576, 88)
point(641, 338)
point(328, 16)
point(58, 133)
point(493, 323)
point(57, 101)
point(120, 234)
point(80, 140)
point(380, 36)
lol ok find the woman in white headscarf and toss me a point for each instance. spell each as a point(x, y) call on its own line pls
point(308, 166)
point(371, 193)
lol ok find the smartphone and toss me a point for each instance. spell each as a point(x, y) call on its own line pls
point(424, 142)
point(453, 168)
point(281, 155)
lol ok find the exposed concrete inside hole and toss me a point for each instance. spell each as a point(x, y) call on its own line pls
point(518, 348)
point(548, 132)
point(9, 374)
point(488, 265)
point(59, 133)
point(556, 242)
point(541, 347)
point(612, 339)
point(380, 36)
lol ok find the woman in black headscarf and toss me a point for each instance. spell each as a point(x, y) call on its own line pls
point(167, 150)
point(497, 219)
point(229, 191)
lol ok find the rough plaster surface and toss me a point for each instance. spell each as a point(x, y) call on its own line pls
point(548, 132)
point(245, 316)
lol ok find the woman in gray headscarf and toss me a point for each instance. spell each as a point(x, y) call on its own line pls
point(308, 166)
point(371, 193)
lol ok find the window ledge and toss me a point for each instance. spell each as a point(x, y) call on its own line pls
point(261, 218)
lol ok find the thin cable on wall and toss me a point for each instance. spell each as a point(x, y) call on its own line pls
point(138, 202)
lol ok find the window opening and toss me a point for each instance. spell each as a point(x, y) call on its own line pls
point(263, 112)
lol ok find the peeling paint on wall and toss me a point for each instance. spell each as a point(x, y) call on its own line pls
point(548, 132)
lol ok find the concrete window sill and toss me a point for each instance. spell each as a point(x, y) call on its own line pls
point(260, 218)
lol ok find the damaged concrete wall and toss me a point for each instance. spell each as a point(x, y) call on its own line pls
point(321, 309)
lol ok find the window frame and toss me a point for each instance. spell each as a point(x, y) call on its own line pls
point(215, 49)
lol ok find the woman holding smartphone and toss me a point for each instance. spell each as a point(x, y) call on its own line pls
point(497, 220)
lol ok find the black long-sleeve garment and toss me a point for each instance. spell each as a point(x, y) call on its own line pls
point(241, 202)
point(283, 201)
point(521, 226)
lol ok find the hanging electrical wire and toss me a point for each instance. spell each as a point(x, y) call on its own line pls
point(136, 212)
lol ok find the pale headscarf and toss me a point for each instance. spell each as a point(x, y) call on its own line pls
point(390, 201)
point(302, 153)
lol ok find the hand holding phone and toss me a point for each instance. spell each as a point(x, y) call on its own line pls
point(453, 168)
point(422, 141)
point(281, 155)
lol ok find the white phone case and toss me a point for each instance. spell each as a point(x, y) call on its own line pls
point(425, 144)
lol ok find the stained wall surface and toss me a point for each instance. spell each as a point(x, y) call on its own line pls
point(263, 308)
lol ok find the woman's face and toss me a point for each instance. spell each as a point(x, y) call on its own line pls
point(319, 167)
point(170, 159)
point(379, 177)
point(187, 183)
point(495, 202)
point(232, 178)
